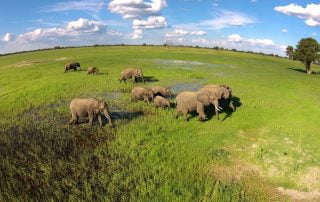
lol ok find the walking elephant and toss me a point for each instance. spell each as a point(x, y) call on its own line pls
point(89, 108)
point(131, 73)
point(70, 66)
point(139, 93)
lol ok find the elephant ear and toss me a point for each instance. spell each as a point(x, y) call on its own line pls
point(203, 98)
point(102, 105)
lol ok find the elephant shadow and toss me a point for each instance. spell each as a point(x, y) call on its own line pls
point(210, 112)
point(149, 79)
point(122, 115)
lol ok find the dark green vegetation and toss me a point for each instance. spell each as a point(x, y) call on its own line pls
point(271, 140)
point(307, 52)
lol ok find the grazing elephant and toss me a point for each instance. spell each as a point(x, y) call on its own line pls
point(224, 94)
point(89, 108)
point(93, 70)
point(131, 73)
point(139, 93)
point(161, 102)
point(187, 102)
point(70, 66)
point(161, 91)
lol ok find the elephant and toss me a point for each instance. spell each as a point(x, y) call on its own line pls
point(188, 101)
point(161, 102)
point(161, 91)
point(91, 108)
point(224, 94)
point(131, 73)
point(139, 93)
point(71, 65)
point(93, 70)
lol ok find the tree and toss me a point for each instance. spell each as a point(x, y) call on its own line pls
point(307, 52)
point(290, 52)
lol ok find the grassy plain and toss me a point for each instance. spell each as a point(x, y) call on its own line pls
point(269, 149)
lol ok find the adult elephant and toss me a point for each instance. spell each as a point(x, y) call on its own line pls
point(89, 108)
point(189, 101)
point(223, 93)
point(70, 66)
point(131, 73)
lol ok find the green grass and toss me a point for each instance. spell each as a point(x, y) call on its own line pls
point(271, 140)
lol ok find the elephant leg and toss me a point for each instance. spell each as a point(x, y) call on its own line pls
point(90, 114)
point(185, 114)
point(134, 79)
point(216, 107)
point(177, 113)
point(200, 110)
point(73, 119)
point(99, 119)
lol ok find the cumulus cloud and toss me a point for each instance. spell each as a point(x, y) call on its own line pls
point(144, 14)
point(8, 37)
point(263, 43)
point(135, 9)
point(311, 12)
point(72, 28)
point(153, 22)
point(181, 33)
point(284, 30)
point(228, 19)
point(136, 34)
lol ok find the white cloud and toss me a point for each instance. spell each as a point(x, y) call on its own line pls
point(136, 34)
point(235, 38)
point(284, 30)
point(312, 23)
point(200, 41)
point(90, 5)
point(311, 12)
point(114, 33)
point(181, 33)
point(8, 37)
point(177, 33)
point(261, 43)
point(73, 28)
point(228, 19)
point(135, 9)
point(153, 22)
point(198, 33)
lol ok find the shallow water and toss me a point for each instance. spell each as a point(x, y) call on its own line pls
point(179, 87)
point(184, 64)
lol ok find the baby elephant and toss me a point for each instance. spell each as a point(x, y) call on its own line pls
point(70, 66)
point(161, 91)
point(139, 93)
point(161, 102)
point(89, 108)
point(93, 70)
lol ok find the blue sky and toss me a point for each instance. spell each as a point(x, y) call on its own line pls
point(257, 25)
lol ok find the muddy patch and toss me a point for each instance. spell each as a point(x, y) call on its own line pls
point(300, 195)
point(311, 179)
point(26, 63)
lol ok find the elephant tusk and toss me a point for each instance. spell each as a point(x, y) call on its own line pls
point(217, 109)
point(220, 108)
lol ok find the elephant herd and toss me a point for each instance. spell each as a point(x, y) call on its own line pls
point(218, 96)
